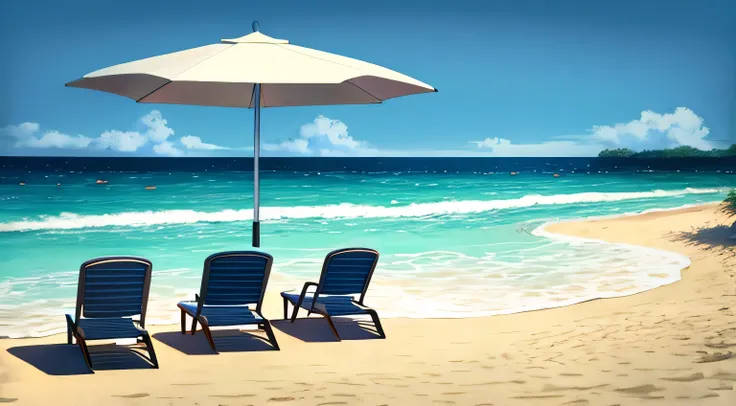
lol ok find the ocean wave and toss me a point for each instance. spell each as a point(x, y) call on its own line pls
point(67, 221)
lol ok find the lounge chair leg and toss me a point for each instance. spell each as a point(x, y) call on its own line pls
point(286, 309)
point(332, 326)
point(85, 352)
point(69, 327)
point(208, 334)
point(194, 325)
point(183, 321)
point(293, 314)
point(271, 337)
point(151, 353)
point(377, 323)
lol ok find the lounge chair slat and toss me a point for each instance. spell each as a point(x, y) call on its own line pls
point(225, 315)
point(240, 287)
point(105, 328)
point(100, 290)
point(235, 293)
point(111, 283)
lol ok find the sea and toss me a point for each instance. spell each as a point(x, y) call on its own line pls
point(458, 237)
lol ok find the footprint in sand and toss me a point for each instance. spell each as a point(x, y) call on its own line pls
point(715, 357)
point(643, 391)
point(132, 396)
point(726, 376)
point(282, 399)
point(723, 386)
point(244, 395)
point(555, 388)
point(190, 384)
point(537, 397)
point(690, 378)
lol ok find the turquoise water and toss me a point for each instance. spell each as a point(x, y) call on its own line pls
point(452, 245)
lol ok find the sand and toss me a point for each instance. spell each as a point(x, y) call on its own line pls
point(674, 345)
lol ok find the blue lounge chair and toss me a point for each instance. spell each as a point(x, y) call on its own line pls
point(110, 292)
point(345, 273)
point(230, 282)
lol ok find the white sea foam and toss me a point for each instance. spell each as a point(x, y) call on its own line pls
point(345, 211)
point(552, 271)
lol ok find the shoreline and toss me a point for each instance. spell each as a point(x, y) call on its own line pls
point(283, 281)
point(671, 345)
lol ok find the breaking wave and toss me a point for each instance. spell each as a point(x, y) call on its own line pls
point(66, 221)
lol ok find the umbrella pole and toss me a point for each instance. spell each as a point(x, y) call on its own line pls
point(256, 174)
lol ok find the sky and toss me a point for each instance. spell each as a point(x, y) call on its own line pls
point(515, 78)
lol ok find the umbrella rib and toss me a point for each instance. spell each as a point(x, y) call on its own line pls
point(252, 95)
point(152, 91)
point(365, 91)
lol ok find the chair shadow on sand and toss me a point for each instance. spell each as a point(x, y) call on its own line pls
point(227, 340)
point(317, 330)
point(67, 359)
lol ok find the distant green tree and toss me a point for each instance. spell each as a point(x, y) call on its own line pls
point(679, 152)
point(617, 153)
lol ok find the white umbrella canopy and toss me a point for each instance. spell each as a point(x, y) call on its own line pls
point(237, 72)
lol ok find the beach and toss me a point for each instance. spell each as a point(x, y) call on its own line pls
point(671, 345)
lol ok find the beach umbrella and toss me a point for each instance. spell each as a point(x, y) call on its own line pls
point(252, 71)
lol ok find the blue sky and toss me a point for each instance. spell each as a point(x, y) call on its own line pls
point(515, 78)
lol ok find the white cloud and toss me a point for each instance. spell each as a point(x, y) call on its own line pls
point(299, 145)
point(27, 135)
point(334, 130)
point(681, 128)
point(192, 142)
point(492, 143)
point(21, 131)
point(55, 139)
point(167, 148)
point(652, 130)
point(128, 141)
point(501, 147)
point(154, 131)
point(157, 131)
point(324, 137)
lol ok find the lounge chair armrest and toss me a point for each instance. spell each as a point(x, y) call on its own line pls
point(70, 323)
point(304, 292)
point(307, 285)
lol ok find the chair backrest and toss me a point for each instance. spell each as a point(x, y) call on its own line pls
point(347, 272)
point(235, 278)
point(114, 287)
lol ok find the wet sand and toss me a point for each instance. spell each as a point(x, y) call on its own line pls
point(674, 345)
